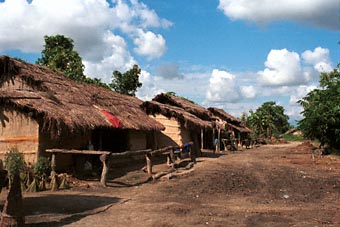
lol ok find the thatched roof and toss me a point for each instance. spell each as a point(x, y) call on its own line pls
point(55, 100)
point(191, 107)
point(224, 115)
point(187, 119)
point(232, 121)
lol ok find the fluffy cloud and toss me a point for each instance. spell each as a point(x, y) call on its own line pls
point(116, 57)
point(149, 89)
point(149, 44)
point(283, 68)
point(319, 58)
point(222, 87)
point(248, 91)
point(93, 25)
point(299, 93)
point(317, 12)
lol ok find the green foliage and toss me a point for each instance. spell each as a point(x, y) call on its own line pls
point(126, 83)
point(321, 111)
point(268, 120)
point(96, 81)
point(43, 167)
point(58, 54)
point(14, 161)
point(291, 137)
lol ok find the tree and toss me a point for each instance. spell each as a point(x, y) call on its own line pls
point(269, 119)
point(58, 54)
point(321, 111)
point(126, 83)
point(12, 213)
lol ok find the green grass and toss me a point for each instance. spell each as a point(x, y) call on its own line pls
point(291, 137)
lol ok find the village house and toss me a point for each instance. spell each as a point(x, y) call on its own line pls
point(180, 126)
point(233, 127)
point(43, 109)
point(208, 134)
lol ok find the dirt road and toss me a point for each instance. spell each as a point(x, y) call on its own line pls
point(273, 185)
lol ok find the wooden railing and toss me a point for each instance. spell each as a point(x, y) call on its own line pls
point(106, 156)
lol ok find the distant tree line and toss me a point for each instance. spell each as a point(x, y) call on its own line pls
point(268, 120)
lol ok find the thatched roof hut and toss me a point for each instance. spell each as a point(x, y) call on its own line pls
point(181, 126)
point(43, 109)
point(187, 105)
point(232, 121)
point(187, 119)
point(59, 101)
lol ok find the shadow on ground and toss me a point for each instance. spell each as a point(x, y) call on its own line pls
point(58, 210)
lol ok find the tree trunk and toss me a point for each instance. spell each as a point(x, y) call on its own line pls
point(12, 214)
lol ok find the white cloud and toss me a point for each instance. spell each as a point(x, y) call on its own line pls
point(149, 18)
point(149, 89)
point(116, 57)
point(222, 87)
point(149, 44)
point(319, 58)
point(92, 24)
point(299, 93)
point(248, 91)
point(283, 68)
point(322, 13)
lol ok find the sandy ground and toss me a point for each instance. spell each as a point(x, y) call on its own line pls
point(273, 185)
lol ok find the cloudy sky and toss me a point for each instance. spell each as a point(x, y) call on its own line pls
point(231, 54)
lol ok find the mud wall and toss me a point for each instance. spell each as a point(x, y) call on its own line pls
point(19, 130)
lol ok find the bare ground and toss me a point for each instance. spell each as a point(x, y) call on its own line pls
point(273, 185)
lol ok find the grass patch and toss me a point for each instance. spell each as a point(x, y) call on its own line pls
point(291, 137)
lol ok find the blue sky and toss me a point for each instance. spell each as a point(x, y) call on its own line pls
point(229, 54)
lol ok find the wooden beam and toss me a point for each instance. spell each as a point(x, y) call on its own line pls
point(164, 150)
point(72, 151)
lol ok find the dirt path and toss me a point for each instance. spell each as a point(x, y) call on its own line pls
point(273, 185)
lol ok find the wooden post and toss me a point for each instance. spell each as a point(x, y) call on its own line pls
point(171, 157)
point(148, 164)
point(218, 148)
point(53, 162)
point(192, 155)
point(202, 139)
point(104, 158)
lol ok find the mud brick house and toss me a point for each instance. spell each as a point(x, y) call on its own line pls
point(43, 109)
point(180, 126)
point(231, 124)
point(207, 134)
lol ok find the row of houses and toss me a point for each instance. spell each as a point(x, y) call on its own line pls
point(42, 109)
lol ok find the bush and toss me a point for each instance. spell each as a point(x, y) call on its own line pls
point(43, 167)
point(14, 161)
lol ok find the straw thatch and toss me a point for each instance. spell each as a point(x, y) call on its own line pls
point(187, 119)
point(56, 101)
point(232, 121)
point(190, 107)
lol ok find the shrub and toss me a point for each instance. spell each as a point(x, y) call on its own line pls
point(14, 161)
point(43, 167)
